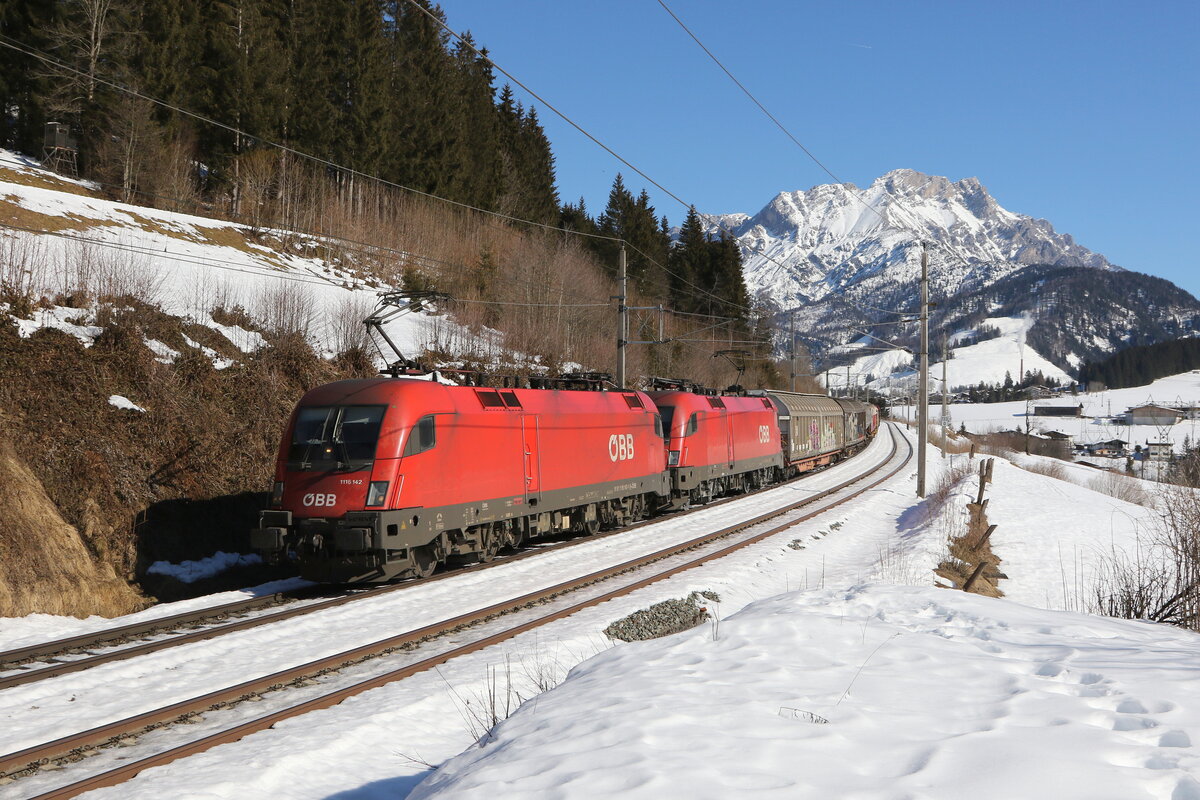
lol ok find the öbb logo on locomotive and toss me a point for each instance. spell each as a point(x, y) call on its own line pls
point(620, 447)
point(385, 478)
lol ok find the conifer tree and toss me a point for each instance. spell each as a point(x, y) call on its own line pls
point(689, 264)
point(23, 86)
point(479, 176)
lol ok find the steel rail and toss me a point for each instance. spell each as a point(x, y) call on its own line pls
point(48, 650)
point(44, 650)
point(76, 744)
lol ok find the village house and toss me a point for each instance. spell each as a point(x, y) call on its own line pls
point(1159, 451)
point(1113, 448)
point(1152, 414)
point(1059, 436)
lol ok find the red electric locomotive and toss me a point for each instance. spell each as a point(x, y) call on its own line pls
point(388, 477)
point(718, 444)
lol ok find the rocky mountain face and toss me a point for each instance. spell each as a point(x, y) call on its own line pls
point(845, 258)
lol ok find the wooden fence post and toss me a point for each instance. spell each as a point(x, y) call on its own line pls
point(974, 576)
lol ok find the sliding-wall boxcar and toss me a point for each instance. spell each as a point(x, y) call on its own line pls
point(812, 428)
point(718, 444)
point(388, 477)
point(859, 421)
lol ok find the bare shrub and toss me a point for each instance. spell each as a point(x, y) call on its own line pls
point(345, 330)
point(1048, 468)
point(948, 441)
point(79, 271)
point(22, 272)
point(122, 275)
point(286, 308)
point(200, 297)
point(1160, 581)
point(1122, 487)
point(937, 500)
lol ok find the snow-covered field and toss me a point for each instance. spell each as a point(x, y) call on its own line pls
point(893, 371)
point(1101, 416)
point(833, 669)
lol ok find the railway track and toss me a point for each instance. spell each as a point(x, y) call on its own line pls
point(26, 665)
point(672, 560)
point(63, 656)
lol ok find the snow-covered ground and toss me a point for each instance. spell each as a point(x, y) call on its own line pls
point(833, 669)
point(1101, 419)
point(892, 371)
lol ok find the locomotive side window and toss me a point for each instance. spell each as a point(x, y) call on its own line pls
point(668, 414)
point(658, 426)
point(693, 425)
point(335, 437)
point(423, 437)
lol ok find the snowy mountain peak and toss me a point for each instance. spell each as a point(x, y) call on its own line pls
point(837, 239)
point(841, 256)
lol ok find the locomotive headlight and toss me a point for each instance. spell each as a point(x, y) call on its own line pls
point(377, 493)
point(673, 458)
point(277, 494)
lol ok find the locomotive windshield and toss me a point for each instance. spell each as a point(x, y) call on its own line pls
point(335, 437)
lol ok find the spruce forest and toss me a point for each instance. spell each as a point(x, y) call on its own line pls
point(371, 89)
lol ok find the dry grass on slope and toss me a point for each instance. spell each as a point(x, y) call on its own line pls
point(45, 565)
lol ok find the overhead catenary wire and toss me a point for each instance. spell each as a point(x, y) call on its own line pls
point(16, 45)
point(914, 226)
point(480, 54)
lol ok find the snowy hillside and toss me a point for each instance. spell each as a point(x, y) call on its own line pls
point(59, 237)
point(893, 372)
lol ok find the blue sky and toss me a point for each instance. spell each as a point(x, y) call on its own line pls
point(1084, 113)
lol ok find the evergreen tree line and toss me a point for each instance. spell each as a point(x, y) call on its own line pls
point(1143, 364)
point(697, 274)
point(374, 85)
point(1009, 390)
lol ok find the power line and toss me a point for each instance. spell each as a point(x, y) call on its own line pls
point(14, 44)
point(754, 99)
point(468, 43)
point(914, 225)
point(223, 264)
point(543, 101)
